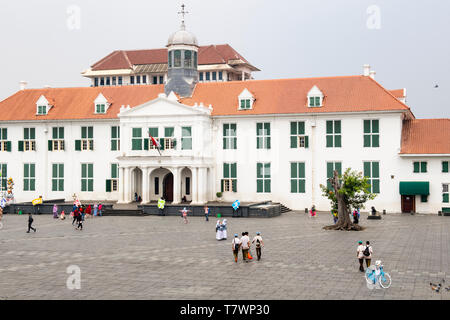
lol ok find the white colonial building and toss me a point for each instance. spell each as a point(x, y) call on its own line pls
point(253, 140)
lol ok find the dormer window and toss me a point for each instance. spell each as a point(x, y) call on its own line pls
point(100, 108)
point(42, 110)
point(101, 104)
point(246, 100)
point(43, 106)
point(315, 97)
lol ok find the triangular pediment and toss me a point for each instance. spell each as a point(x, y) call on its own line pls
point(163, 106)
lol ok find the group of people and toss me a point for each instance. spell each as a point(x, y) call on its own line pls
point(364, 253)
point(355, 214)
point(245, 244)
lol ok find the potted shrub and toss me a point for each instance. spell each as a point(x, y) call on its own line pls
point(219, 195)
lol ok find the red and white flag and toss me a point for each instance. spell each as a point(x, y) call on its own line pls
point(155, 143)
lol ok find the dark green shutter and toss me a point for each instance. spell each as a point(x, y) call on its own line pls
point(375, 141)
point(90, 132)
point(329, 169)
point(423, 167)
point(175, 144)
point(77, 145)
point(445, 166)
point(294, 142)
point(337, 141)
point(221, 185)
point(366, 126)
point(307, 142)
point(375, 126)
point(445, 197)
point(301, 170)
point(294, 171)
point(337, 126)
point(234, 185)
point(375, 186)
point(293, 128)
point(83, 133)
point(301, 128)
point(367, 169)
point(50, 145)
point(8, 146)
point(416, 167)
point(375, 169)
point(20, 145)
point(61, 133)
point(338, 167)
point(233, 170)
point(301, 186)
point(226, 170)
point(329, 127)
point(162, 143)
point(329, 141)
point(146, 144)
point(294, 185)
point(366, 140)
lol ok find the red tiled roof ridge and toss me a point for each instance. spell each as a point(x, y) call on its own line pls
point(105, 59)
point(390, 93)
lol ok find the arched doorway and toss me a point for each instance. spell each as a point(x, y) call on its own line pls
point(168, 187)
point(136, 183)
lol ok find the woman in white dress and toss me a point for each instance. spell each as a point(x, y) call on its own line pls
point(224, 229)
point(218, 232)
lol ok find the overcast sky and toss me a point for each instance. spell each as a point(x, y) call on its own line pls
point(407, 42)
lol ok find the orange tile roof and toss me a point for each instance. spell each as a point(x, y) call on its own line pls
point(75, 103)
point(284, 96)
point(398, 93)
point(213, 54)
point(426, 136)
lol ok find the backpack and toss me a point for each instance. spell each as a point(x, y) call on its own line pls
point(258, 243)
point(366, 251)
point(236, 246)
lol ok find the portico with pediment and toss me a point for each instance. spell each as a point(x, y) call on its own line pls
point(184, 165)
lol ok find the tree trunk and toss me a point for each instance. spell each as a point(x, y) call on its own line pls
point(344, 222)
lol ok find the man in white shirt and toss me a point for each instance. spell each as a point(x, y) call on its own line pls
point(245, 244)
point(235, 245)
point(258, 241)
point(360, 255)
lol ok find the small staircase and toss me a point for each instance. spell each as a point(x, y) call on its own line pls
point(122, 210)
point(284, 209)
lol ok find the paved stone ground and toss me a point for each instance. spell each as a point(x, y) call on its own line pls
point(162, 258)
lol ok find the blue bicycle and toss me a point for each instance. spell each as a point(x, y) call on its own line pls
point(377, 274)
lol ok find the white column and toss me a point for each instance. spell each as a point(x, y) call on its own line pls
point(194, 185)
point(121, 185)
point(127, 185)
point(201, 185)
point(176, 185)
point(145, 185)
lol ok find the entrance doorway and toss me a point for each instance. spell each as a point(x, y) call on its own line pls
point(168, 187)
point(408, 204)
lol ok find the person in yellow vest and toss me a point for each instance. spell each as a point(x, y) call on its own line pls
point(161, 204)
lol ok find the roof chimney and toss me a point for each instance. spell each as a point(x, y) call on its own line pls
point(23, 85)
point(372, 74)
point(366, 69)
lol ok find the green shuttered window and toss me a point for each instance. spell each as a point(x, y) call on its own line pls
point(186, 138)
point(372, 171)
point(263, 178)
point(445, 165)
point(420, 167)
point(229, 136)
point(57, 177)
point(371, 133)
point(229, 181)
point(87, 177)
point(298, 139)
point(115, 138)
point(263, 135)
point(4, 176)
point(298, 180)
point(331, 167)
point(29, 177)
point(136, 141)
point(333, 134)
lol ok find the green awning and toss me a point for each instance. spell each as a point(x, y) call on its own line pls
point(411, 188)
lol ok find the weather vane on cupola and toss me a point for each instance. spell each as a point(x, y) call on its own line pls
point(183, 13)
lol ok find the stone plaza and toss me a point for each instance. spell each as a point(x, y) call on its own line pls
point(161, 258)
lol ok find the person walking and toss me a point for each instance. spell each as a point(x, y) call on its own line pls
point(89, 211)
point(245, 244)
point(224, 229)
point(95, 209)
point(55, 211)
point(30, 222)
point(235, 246)
point(206, 212)
point(355, 217)
point(360, 255)
point(258, 241)
point(161, 204)
point(312, 212)
point(80, 222)
point(100, 207)
point(75, 214)
point(368, 253)
point(184, 213)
